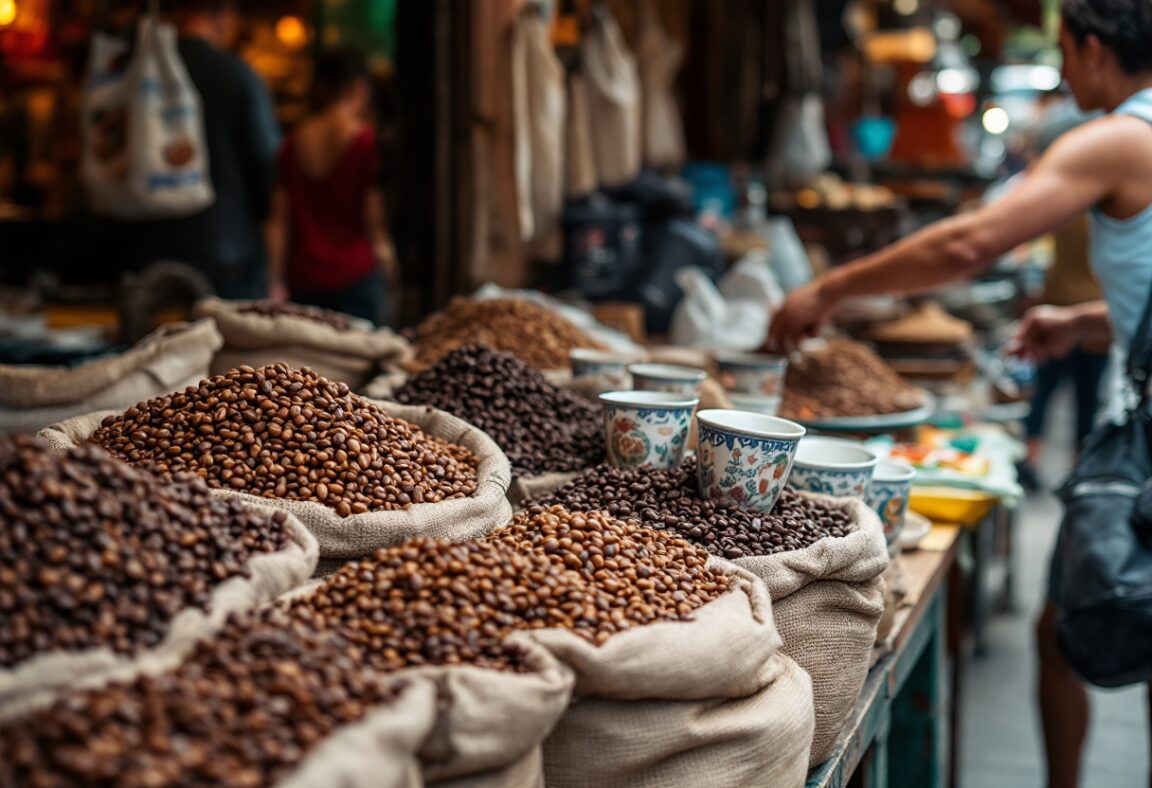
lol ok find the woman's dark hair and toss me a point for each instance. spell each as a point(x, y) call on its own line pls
point(1124, 26)
point(336, 70)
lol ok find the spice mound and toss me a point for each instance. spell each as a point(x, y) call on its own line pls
point(667, 498)
point(532, 333)
point(927, 324)
point(336, 320)
point(243, 710)
point(278, 432)
point(845, 378)
point(542, 428)
point(94, 553)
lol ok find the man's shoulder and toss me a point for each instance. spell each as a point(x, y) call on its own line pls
point(200, 55)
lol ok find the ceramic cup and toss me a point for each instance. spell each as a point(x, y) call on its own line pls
point(833, 466)
point(600, 369)
point(670, 378)
point(755, 403)
point(891, 486)
point(646, 427)
point(745, 457)
point(752, 373)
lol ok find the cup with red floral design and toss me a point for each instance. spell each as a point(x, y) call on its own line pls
point(745, 457)
point(646, 427)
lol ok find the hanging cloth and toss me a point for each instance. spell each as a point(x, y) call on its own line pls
point(660, 56)
point(613, 100)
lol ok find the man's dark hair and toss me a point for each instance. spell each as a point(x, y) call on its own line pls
point(1124, 26)
point(336, 70)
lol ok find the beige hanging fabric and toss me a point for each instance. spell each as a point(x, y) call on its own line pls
point(538, 80)
point(580, 158)
point(345, 538)
point(613, 87)
point(660, 57)
point(827, 599)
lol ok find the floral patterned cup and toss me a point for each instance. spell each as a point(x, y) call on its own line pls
point(646, 427)
point(833, 466)
point(752, 373)
point(891, 485)
point(670, 378)
point(604, 370)
point(745, 457)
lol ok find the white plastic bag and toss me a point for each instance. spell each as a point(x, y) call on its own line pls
point(145, 153)
point(805, 151)
point(790, 263)
point(733, 316)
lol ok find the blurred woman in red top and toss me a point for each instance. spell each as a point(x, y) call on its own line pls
point(328, 244)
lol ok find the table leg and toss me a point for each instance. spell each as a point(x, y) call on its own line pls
point(919, 754)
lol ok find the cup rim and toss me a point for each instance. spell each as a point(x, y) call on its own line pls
point(675, 372)
point(772, 427)
point(596, 356)
point(748, 397)
point(750, 360)
point(890, 471)
point(867, 458)
point(641, 400)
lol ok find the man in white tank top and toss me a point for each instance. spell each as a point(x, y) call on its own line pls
point(1105, 167)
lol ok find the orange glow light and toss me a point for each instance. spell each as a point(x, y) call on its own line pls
point(7, 12)
point(289, 29)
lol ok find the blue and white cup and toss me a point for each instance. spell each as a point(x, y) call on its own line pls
point(752, 373)
point(745, 457)
point(600, 369)
point(646, 427)
point(833, 466)
point(669, 378)
point(891, 488)
point(755, 403)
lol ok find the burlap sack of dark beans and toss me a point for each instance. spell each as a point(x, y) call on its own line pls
point(39, 681)
point(352, 356)
point(385, 384)
point(174, 356)
point(828, 599)
point(704, 701)
point(345, 538)
point(491, 723)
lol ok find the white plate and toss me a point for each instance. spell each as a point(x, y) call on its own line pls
point(876, 423)
point(916, 527)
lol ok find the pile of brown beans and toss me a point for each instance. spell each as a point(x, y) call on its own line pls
point(336, 320)
point(668, 499)
point(845, 378)
point(243, 710)
point(94, 553)
point(532, 333)
point(541, 428)
point(288, 433)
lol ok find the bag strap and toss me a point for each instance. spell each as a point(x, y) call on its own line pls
point(1139, 363)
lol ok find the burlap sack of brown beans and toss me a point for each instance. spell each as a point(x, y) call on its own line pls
point(351, 355)
point(39, 681)
point(345, 538)
point(174, 356)
point(828, 599)
point(704, 701)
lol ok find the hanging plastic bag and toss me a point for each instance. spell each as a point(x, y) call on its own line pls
point(660, 57)
point(731, 316)
point(145, 153)
point(790, 262)
point(613, 101)
point(805, 151)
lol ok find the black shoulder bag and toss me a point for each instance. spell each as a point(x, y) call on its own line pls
point(1105, 544)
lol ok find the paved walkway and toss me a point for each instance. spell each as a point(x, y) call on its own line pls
point(1001, 746)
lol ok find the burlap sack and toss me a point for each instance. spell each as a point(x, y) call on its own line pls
point(675, 700)
point(827, 600)
point(384, 385)
point(528, 772)
point(169, 359)
point(491, 723)
point(37, 682)
point(356, 536)
point(377, 752)
point(525, 488)
point(896, 598)
point(351, 357)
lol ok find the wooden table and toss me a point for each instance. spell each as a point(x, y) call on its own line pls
point(900, 732)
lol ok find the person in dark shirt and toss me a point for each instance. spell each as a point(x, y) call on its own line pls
point(224, 241)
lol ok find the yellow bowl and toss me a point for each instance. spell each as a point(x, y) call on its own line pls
point(951, 505)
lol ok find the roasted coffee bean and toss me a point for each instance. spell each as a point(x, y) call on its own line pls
point(94, 553)
point(534, 334)
point(243, 710)
point(668, 499)
point(541, 428)
point(845, 378)
point(336, 320)
point(288, 433)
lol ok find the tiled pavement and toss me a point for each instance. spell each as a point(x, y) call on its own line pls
point(1000, 743)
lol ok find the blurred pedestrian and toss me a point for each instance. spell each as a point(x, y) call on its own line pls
point(327, 237)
